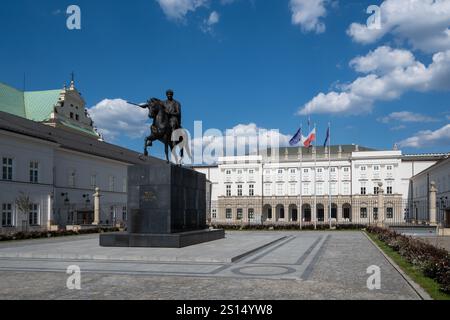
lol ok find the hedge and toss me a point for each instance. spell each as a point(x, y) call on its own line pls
point(432, 261)
point(284, 226)
point(50, 234)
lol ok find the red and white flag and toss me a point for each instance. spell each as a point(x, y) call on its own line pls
point(307, 142)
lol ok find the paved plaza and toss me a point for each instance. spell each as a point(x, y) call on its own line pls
point(244, 265)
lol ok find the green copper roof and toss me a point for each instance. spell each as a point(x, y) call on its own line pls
point(33, 105)
point(12, 101)
point(39, 104)
point(88, 131)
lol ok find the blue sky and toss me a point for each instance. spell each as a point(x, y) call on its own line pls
point(259, 62)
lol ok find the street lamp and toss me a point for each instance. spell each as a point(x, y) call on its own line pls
point(87, 200)
point(67, 203)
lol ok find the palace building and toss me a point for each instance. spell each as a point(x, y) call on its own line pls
point(53, 159)
point(347, 184)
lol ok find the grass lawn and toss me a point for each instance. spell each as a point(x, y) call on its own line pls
point(428, 284)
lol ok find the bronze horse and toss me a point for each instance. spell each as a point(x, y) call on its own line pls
point(160, 129)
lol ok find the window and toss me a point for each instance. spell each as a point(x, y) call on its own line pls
point(251, 171)
point(376, 190)
point(332, 169)
point(251, 214)
point(306, 189)
point(268, 189)
point(319, 170)
point(375, 213)
point(239, 214)
point(363, 168)
point(112, 214)
point(112, 180)
point(363, 190)
point(389, 190)
point(269, 214)
point(228, 213)
point(346, 169)
point(7, 220)
point(33, 219)
point(214, 213)
point(72, 174)
point(34, 172)
point(333, 188)
point(7, 169)
point(280, 171)
point(71, 115)
point(228, 172)
point(346, 188)
point(319, 190)
point(389, 168)
point(292, 189)
point(251, 190)
point(389, 213)
point(124, 185)
point(280, 189)
point(376, 168)
point(281, 213)
point(305, 170)
point(293, 171)
point(124, 213)
point(363, 213)
point(239, 172)
point(77, 117)
point(228, 190)
point(93, 180)
point(239, 190)
point(267, 172)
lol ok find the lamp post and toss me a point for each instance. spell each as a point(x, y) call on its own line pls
point(67, 203)
point(87, 203)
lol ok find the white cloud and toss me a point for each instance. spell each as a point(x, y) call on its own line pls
point(115, 118)
point(406, 116)
point(240, 140)
point(209, 23)
point(308, 14)
point(440, 137)
point(383, 84)
point(178, 9)
point(424, 24)
point(383, 59)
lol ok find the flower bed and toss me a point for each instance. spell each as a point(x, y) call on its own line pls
point(432, 261)
point(50, 234)
point(283, 226)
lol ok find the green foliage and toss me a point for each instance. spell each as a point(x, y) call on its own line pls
point(432, 261)
point(51, 234)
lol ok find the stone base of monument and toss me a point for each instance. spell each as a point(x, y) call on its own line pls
point(174, 240)
point(167, 208)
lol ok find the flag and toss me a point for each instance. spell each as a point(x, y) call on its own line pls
point(310, 139)
point(327, 138)
point(296, 138)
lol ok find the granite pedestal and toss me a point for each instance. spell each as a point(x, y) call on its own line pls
point(167, 208)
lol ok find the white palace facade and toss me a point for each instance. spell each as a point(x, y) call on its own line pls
point(52, 158)
point(302, 184)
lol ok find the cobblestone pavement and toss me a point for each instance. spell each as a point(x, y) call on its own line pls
point(262, 265)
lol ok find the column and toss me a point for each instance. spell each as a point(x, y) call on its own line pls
point(381, 213)
point(433, 209)
point(96, 207)
point(49, 211)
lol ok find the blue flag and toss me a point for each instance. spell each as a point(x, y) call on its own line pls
point(328, 137)
point(297, 138)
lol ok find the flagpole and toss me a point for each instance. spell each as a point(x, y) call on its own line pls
point(300, 211)
point(315, 179)
point(329, 170)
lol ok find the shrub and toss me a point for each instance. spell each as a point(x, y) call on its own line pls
point(48, 234)
point(432, 261)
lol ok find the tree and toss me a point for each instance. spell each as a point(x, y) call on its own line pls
point(23, 203)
